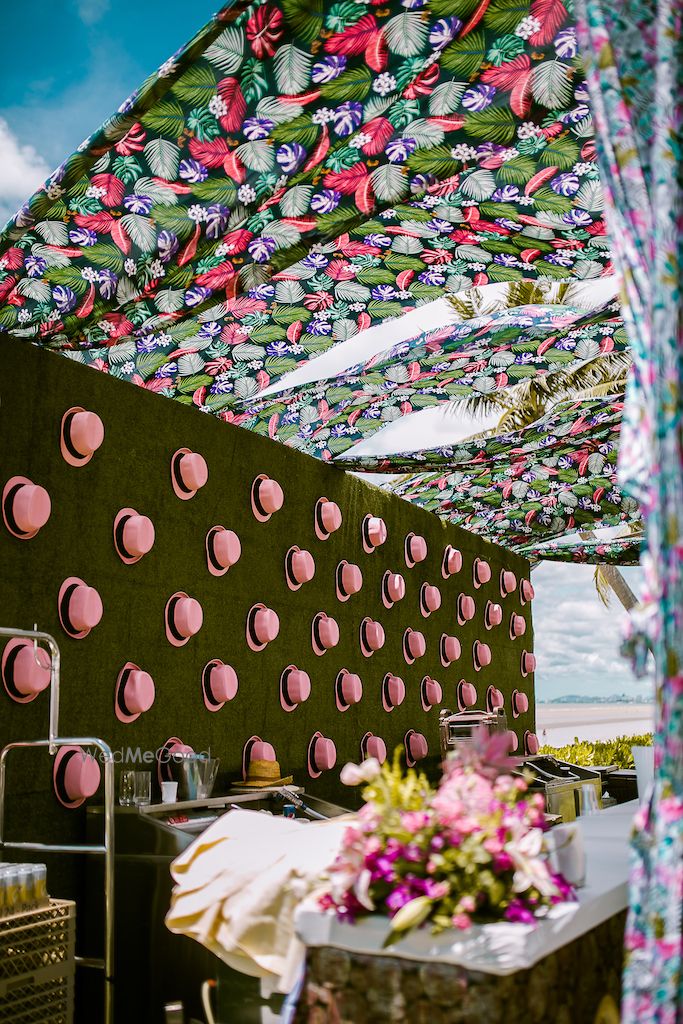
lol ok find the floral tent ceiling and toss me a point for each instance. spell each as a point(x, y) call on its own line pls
point(304, 172)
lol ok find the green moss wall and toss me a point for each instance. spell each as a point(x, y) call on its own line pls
point(132, 469)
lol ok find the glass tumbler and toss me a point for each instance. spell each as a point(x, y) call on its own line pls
point(143, 789)
point(127, 788)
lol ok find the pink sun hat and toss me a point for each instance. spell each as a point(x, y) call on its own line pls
point(430, 599)
point(481, 655)
point(189, 473)
point(324, 633)
point(451, 562)
point(81, 434)
point(372, 636)
point(26, 670)
point(299, 567)
point(219, 684)
point(526, 591)
point(267, 497)
point(520, 703)
point(348, 580)
point(133, 535)
point(466, 609)
point(532, 743)
point(393, 691)
point(527, 663)
point(449, 649)
point(373, 746)
point(416, 747)
point(348, 689)
point(517, 626)
point(513, 741)
point(26, 507)
point(494, 699)
point(256, 749)
point(393, 588)
point(508, 582)
point(431, 693)
point(75, 776)
point(322, 755)
point(415, 549)
point(183, 618)
point(80, 607)
point(493, 615)
point(466, 695)
point(295, 687)
point(327, 518)
point(373, 532)
point(134, 693)
point(172, 749)
point(481, 572)
point(223, 550)
point(414, 645)
point(263, 626)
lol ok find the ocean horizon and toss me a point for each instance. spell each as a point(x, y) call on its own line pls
point(559, 724)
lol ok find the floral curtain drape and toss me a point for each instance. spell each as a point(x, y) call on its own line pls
point(635, 73)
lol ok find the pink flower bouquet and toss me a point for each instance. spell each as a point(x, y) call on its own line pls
point(469, 851)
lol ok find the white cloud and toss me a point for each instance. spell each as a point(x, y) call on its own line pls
point(90, 11)
point(22, 171)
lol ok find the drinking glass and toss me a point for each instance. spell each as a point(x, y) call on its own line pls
point(143, 789)
point(589, 799)
point(169, 792)
point(127, 788)
point(207, 769)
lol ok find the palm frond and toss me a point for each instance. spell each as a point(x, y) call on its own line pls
point(602, 585)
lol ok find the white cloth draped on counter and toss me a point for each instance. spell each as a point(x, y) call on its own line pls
point(240, 882)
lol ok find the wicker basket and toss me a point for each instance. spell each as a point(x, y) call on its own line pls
point(37, 951)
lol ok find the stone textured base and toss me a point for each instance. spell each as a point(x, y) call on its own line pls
point(566, 988)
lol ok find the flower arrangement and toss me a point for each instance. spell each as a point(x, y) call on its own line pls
point(469, 851)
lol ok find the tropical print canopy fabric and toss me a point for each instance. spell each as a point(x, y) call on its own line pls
point(616, 551)
point(304, 171)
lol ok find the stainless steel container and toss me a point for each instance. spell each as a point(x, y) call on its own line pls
point(457, 727)
point(560, 783)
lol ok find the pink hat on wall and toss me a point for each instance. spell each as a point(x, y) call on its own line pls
point(494, 699)
point(531, 743)
point(527, 663)
point(75, 776)
point(431, 693)
point(415, 549)
point(481, 572)
point(414, 645)
point(520, 703)
point(348, 689)
point(256, 749)
point(493, 615)
point(451, 561)
point(517, 626)
point(481, 655)
point(465, 609)
point(267, 497)
point(348, 580)
point(430, 599)
point(526, 591)
point(327, 518)
point(324, 633)
point(26, 507)
point(322, 755)
point(173, 749)
point(393, 691)
point(133, 535)
point(372, 637)
point(219, 684)
point(81, 434)
point(513, 741)
point(373, 746)
point(466, 695)
point(26, 670)
point(223, 550)
point(393, 588)
point(80, 607)
point(416, 746)
point(183, 618)
point(373, 532)
point(134, 693)
point(449, 649)
point(508, 582)
point(295, 687)
point(189, 473)
point(263, 626)
point(299, 567)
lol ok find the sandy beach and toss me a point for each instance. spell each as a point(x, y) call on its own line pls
point(558, 724)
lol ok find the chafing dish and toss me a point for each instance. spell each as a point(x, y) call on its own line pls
point(560, 783)
point(457, 727)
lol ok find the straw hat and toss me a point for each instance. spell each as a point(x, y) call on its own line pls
point(261, 774)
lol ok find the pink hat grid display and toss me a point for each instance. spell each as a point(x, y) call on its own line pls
point(26, 508)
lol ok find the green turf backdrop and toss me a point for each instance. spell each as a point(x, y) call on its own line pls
point(132, 469)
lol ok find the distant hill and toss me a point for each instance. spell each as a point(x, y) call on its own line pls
point(615, 698)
